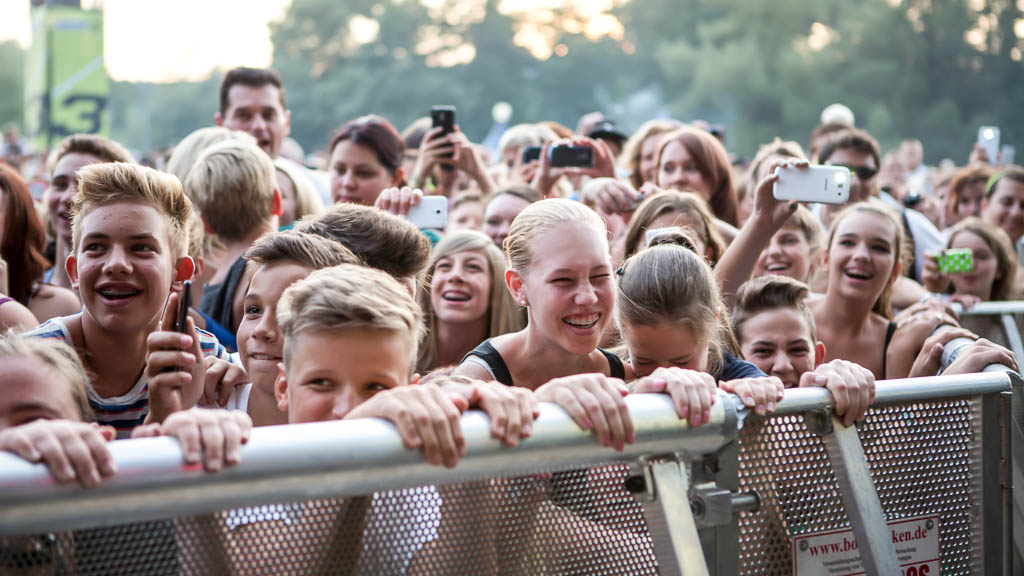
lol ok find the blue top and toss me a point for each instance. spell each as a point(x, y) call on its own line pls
point(733, 368)
point(224, 336)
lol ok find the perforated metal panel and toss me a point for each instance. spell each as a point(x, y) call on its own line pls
point(924, 458)
point(579, 522)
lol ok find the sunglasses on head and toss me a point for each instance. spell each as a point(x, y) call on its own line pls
point(862, 172)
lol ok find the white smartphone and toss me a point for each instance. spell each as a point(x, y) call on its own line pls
point(824, 184)
point(1008, 153)
point(988, 138)
point(430, 213)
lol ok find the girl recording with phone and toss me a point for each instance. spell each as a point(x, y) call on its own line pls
point(991, 269)
point(988, 275)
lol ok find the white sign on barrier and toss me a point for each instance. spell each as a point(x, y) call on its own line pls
point(835, 553)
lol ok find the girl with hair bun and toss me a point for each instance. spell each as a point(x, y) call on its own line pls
point(673, 322)
point(667, 208)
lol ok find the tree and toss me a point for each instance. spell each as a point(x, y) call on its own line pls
point(12, 62)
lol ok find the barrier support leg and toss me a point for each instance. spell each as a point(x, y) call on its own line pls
point(666, 503)
point(863, 508)
point(1016, 464)
point(716, 504)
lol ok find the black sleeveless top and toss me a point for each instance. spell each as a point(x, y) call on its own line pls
point(889, 331)
point(490, 355)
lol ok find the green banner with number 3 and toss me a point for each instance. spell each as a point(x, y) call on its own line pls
point(66, 85)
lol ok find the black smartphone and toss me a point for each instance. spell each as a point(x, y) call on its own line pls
point(531, 154)
point(443, 116)
point(567, 155)
point(183, 303)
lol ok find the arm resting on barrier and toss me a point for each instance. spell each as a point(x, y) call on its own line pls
point(77, 451)
point(980, 355)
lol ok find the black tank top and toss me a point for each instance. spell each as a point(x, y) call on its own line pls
point(490, 355)
point(889, 331)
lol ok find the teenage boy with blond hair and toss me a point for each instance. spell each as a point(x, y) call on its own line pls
point(350, 335)
point(235, 191)
point(350, 340)
point(70, 155)
point(129, 242)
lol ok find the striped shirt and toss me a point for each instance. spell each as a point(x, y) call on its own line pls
point(124, 413)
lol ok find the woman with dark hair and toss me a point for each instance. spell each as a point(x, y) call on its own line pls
point(22, 239)
point(692, 160)
point(366, 158)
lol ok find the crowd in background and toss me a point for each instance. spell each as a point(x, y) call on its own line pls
point(664, 265)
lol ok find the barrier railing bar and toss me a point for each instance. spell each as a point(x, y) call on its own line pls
point(888, 392)
point(991, 308)
point(303, 462)
point(329, 459)
point(1012, 336)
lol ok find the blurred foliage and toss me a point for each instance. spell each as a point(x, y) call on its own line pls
point(12, 62)
point(930, 69)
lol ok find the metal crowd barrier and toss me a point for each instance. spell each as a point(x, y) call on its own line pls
point(1007, 312)
point(922, 488)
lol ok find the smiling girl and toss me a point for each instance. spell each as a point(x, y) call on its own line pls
point(793, 251)
point(466, 301)
point(863, 260)
point(560, 269)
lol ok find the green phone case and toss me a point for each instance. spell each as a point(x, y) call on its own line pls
point(956, 261)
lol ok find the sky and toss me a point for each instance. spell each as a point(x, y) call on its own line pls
point(187, 39)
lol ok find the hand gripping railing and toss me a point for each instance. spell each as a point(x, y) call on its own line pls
point(354, 458)
point(330, 459)
point(1007, 312)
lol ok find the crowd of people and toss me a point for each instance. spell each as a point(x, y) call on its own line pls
point(665, 266)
